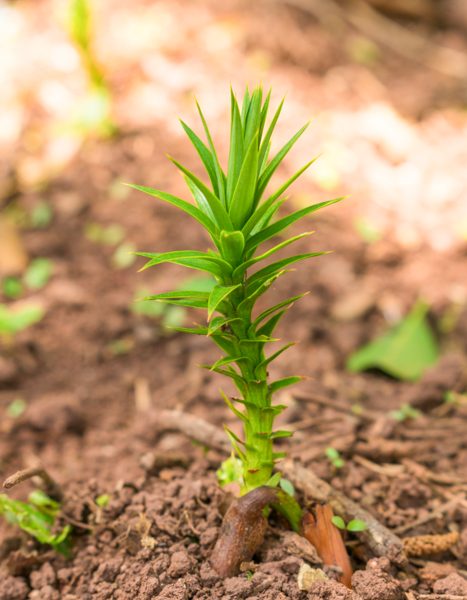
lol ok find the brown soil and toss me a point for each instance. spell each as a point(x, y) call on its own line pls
point(95, 375)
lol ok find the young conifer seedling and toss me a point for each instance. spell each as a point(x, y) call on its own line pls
point(240, 218)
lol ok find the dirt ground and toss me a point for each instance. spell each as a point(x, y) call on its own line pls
point(94, 375)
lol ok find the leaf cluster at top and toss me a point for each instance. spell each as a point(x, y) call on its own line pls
point(235, 210)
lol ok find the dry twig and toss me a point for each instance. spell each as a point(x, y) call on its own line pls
point(52, 488)
point(382, 541)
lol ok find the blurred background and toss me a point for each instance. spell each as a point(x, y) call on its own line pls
point(90, 94)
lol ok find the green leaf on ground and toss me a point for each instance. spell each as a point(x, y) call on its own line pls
point(38, 273)
point(403, 352)
point(15, 319)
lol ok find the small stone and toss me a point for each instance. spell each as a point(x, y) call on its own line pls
point(453, 584)
point(307, 576)
point(374, 584)
point(180, 564)
point(13, 588)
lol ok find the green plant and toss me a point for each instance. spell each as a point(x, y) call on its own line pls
point(405, 412)
point(334, 457)
point(37, 517)
point(14, 319)
point(355, 525)
point(239, 221)
point(95, 113)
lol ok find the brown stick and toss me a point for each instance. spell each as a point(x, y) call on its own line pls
point(382, 541)
point(52, 488)
point(194, 427)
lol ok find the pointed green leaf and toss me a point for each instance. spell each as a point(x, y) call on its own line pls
point(200, 199)
point(268, 360)
point(236, 147)
point(182, 298)
point(222, 218)
point(276, 161)
point(192, 259)
point(218, 295)
point(256, 292)
point(282, 383)
point(274, 480)
point(270, 325)
point(275, 435)
point(217, 167)
point(204, 154)
point(192, 330)
point(245, 104)
point(193, 211)
point(242, 201)
point(278, 226)
point(279, 265)
point(247, 264)
point(235, 411)
point(272, 309)
point(235, 441)
point(227, 360)
point(267, 138)
point(264, 114)
point(253, 118)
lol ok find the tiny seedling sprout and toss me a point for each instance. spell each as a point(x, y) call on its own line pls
point(239, 218)
point(355, 525)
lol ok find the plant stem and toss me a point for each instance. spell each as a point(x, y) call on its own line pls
point(258, 457)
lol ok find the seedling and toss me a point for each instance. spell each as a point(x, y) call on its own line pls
point(334, 458)
point(12, 287)
point(38, 273)
point(16, 408)
point(95, 114)
point(239, 222)
point(14, 319)
point(239, 217)
point(355, 525)
point(37, 517)
point(405, 412)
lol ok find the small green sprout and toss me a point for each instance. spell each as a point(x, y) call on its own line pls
point(230, 471)
point(103, 500)
point(37, 517)
point(14, 319)
point(405, 412)
point(124, 256)
point(240, 216)
point(334, 458)
point(287, 487)
point(38, 273)
point(41, 215)
point(12, 287)
point(355, 525)
point(109, 235)
point(95, 113)
point(16, 408)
